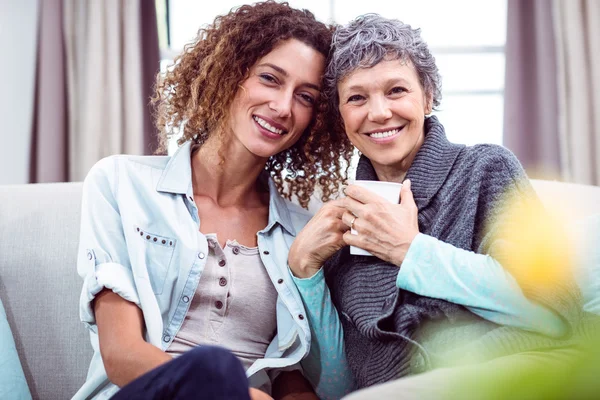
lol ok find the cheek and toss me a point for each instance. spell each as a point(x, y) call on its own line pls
point(416, 108)
point(304, 116)
point(250, 93)
point(351, 120)
point(238, 103)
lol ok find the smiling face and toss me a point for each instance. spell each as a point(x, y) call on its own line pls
point(383, 109)
point(276, 103)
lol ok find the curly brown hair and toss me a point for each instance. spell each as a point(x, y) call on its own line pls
point(197, 90)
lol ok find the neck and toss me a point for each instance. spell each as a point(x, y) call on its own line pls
point(386, 173)
point(397, 172)
point(227, 173)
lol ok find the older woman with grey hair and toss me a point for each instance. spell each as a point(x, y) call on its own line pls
point(440, 288)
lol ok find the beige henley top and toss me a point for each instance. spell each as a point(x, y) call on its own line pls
point(233, 307)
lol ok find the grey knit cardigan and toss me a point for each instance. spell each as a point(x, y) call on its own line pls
point(459, 193)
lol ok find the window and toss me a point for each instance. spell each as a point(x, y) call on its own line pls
point(467, 37)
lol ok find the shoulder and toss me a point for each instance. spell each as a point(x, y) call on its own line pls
point(488, 153)
point(299, 216)
point(490, 160)
point(102, 175)
point(111, 171)
point(488, 173)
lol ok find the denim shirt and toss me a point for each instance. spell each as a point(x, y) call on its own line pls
point(140, 238)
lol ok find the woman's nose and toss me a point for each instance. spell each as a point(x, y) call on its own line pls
point(379, 110)
point(282, 104)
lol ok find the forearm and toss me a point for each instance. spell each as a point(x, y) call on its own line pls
point(125, 354)
point(126, 364)
point(326, 366)
point(292, 385)
point(433, 268)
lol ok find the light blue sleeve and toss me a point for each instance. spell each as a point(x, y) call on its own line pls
point(436, 269)
point(13, 384)
point(325, 367)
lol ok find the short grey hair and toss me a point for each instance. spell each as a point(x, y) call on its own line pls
point(371, 38)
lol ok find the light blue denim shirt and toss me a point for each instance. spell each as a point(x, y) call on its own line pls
point(140, 238)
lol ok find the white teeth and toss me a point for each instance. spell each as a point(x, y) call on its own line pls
point(380, 135)
point(267, 126)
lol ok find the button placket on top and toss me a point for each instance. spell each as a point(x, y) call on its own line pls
point(222, 284)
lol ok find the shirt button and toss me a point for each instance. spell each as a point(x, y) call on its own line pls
point(219, 304)
point(166, 338)
point(186, 299)
point(266, 252)
point(222, 281)
point(89, 255)
point(280, 280)
point(201, 255)
point(300, 316)
point(236, 250)
point(222, 263)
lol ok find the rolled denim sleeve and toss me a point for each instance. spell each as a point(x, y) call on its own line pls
point(103, 260)
point(436, 269)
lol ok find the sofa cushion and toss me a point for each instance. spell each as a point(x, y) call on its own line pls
point(12, 380)
point(578, 207)
point(588, 263)
point(40, 287)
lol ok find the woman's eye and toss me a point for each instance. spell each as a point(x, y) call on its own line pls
point(308, 99)
point(397, 90)
point(356, 97)
point(268, 78)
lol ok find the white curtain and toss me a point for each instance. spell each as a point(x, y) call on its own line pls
point(107, 107)
point(577, 32)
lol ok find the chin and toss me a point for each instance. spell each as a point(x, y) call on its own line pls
point(264, 152)
point(380, 159)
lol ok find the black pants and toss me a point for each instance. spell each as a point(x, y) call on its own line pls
point(206, 372)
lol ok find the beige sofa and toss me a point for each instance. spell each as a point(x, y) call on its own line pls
point(39, 285)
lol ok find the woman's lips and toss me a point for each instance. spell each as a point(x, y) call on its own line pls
point(382, 136)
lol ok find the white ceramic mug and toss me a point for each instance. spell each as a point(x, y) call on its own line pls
point(388, 190)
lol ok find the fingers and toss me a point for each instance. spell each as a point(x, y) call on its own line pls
point(337, 203)
point(406, 195)
point(331, 209)
point(353, 206)
point(335, 207)
point(344, 227)
point(329, 217)
point(351, 239)
point(348, 219)
point(362, 195)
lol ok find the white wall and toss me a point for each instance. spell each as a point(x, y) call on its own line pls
point(18, 41)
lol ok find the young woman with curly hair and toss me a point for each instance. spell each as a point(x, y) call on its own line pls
point(186, 291)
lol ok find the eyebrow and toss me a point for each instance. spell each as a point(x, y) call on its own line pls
point(285, 73)
point(400, 81)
